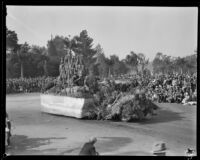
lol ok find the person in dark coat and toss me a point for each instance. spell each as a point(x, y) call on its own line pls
point(8, 130)
point(89, 148)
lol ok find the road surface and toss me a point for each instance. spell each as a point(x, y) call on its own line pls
point(37, 133)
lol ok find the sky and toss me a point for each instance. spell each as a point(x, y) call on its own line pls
point(119, 30)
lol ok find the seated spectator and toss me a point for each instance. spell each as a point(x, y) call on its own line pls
point(186, 98)
point(194, 95)
point(88, 148)
point(155, 97)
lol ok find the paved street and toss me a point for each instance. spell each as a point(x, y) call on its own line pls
point(37, 133)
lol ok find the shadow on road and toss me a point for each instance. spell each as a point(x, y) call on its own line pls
point(108, 144)
point(77, 149)
point(136, 153)
point(21, 144)
point(164, 116)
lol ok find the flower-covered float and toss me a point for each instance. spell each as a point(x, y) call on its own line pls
point(77, 94)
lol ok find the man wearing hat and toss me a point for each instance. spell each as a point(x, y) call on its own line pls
point(159, 149)
point(89, 148)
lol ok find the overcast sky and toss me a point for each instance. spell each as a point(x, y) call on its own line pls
point(119, 30)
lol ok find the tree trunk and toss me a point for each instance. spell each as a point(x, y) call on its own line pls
point(45, 67)
point(22, 70)
point(136, 68)
point(142, 69)
point(109, 72)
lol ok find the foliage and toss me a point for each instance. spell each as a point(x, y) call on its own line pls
point(51, 49)
point(31, 61)
point(11, 39)
point(100, 61)
point(59, 44)
point(115, 67)
point(94, 69)
point(23, 56)
point(167, 64)
point(132, 60)
point(12, 67)
point(52, 65)
point(142, 61)
point(120, 106)
point(84, 47)
point(38, 59)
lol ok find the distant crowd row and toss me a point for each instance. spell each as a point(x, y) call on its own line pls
point(174, 88)
point(27, 85)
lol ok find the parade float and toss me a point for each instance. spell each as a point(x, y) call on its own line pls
point(65, 95)
point(80, 95)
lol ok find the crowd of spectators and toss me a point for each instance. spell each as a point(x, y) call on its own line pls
point(175, 88)
point(170, 88)
point(26, 85)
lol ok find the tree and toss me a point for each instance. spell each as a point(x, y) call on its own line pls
point(38, 60)
point(115, 64)
point(84, 48)
point(142, 61)
point(99, 55)
point(122, 68)
point(23, 54)
point(59, 44)
point(132, 60)
point(52, 65)
point(163, 63)
point(186, 64)
point(71, 45)
point(11, 40)
point(110, 64)
point(157, 63)
point(100, 61)
point(51, 48)
point(94, 70)
point(191, 63)
point(12, 66)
